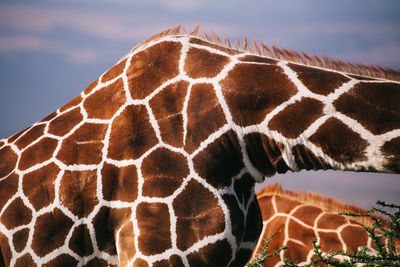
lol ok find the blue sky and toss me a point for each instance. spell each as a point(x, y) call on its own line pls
point(51, 50)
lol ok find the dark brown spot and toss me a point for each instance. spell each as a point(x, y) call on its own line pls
point(152, 67)
point(361, 78)
point(84, 146)
point(103, 103)
point(215, 254)
point(354, 238)
point(114, 71)
point(74, 102)
point(163, 172)
point(154, 226)
point(252, 91)
point(8, 187)
point(78, 192)
point(305, 159)
point(237, 217)
point(339, 142)
point(201, 63)
point(205, 115)
point(198, 215)
point(227, 50)
point(242, 257)
point(5, 251)
point(391, 150)
point(119, 183)
point(307, 214)
point(330, 221)
point(257, 59)
point(243, 188)
point(64, 123)
point(96, 262)
point(297, 117)
point(296, 252)
point(254, 223)
point(106, 223)
point(265, 154)
point(220, 160)
point(132, 134)
point(374, 105)
point(38, 186)
point(31, 135)
point(37, 153)
point(319, 81)
point(126, 244)
point(329, 241)
point(301, 233)
point(25, 260)
point(62, 260)
point(8, 159)
point(16, 214)
point(173, 261)
point(167, 106)
point(91, 87)
point(20, 238)
point(80, 241)
point(51, 229)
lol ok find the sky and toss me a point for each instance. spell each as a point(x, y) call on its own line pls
point(51, 50)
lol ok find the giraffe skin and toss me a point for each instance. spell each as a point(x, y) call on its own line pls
point(297, 219)
point(154, 163)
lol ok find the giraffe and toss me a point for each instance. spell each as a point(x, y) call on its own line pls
point(298, 218)
point(154, 163)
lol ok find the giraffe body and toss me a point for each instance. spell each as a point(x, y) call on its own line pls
point(154, 164)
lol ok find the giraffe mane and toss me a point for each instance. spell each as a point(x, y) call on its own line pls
point(328, 204)
point(259, 48)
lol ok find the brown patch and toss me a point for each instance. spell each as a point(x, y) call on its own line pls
point(20, 238)
point(37, 153)
point(62, 260)
point(297, 117)
point(15, 136)
point(31, 135)
point(84, 146)
point(154, 226)
point(8, 187)
point(330, 221)
point(227, 50)
point(215, 254)
point(5, 251)
point(257, 59)
point(277, 225)
point(119, 183)
point(38, 186)
point(16, 214)
point(140, 263)
point(91, 87)
point(374, 105)
point(329, 241)
point(64, 123)
point(115, 70)
point(242, 257)
point(391, 150)
point(96, 262)
point(103, 103)
point(106, 223)
point(329, 137)
point(25, 260)
point(8, 160)
point(319, 81)
point(220, 160)
point(254, 223)
point(51, 230)
point(163, 172)
point(237, 217)
point(302, 234)
point(198, 215)
point(296, 252)
point(252, 91)
point(167, 106)
point(152, 67)
point(202, 63)
point(205, 115)
point(78, 192)
point(80, 241)
point(243, 188)
point(74, 102)
point(126, 244)
point(265, 154)
point(132, 134)
point(267, 210)
point(173, 261)
point(354, 237)
point(307, 160)
point(285, 205)
point(307, 214)
point(362, 78)
point(49, 117)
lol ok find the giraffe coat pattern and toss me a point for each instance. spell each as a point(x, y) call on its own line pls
point(154, 163)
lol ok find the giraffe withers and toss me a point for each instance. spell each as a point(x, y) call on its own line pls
point(154, 163)
point(298, 218)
